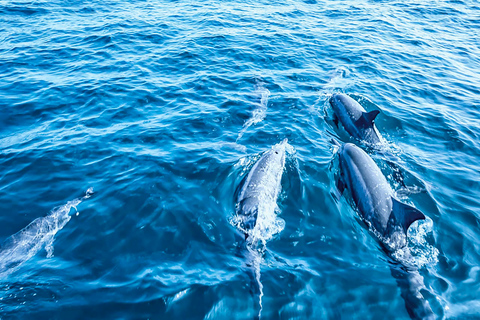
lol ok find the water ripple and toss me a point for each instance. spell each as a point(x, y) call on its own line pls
point(158, 105)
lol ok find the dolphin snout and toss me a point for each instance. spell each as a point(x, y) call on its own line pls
point(281, 146)
point(338, 99)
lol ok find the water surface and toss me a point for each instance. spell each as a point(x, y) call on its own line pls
point(162, 107)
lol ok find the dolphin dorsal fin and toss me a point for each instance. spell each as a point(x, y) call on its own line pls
point(366, 119)
point(405, 214)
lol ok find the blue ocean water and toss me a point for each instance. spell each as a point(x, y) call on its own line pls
point(162, 107)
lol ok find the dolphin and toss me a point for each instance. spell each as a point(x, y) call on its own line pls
point(388, 217)
point(357, 122)
point(256, 198)
point(360, 125)
point(260, 186)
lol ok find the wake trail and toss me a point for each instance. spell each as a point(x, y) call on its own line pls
point(23, 245)
point(259, 113)
point(257, 271)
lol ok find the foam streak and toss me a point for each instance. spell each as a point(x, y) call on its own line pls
point(23, 245)
point(258, 114)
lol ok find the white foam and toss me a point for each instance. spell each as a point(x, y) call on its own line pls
point(418, 252)
point(423, 253)
point(23, 245)
point(260, 112)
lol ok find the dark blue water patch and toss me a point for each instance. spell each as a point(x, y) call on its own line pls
point(23, 9)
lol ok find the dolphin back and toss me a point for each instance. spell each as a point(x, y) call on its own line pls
point(355, 119)
point(259, 189)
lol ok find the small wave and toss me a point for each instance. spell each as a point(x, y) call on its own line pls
point(23, 245)
point(260, 112)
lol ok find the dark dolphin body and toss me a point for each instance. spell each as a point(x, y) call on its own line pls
point(360, 125)
point(387, 216)
point(356, 121)
point(260, 186)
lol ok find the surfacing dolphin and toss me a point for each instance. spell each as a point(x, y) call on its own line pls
point(256, 201)
point(360, 125)
point(355, 119)
point(388, 217)
point(258, 191)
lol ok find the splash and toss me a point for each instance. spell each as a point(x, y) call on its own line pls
point(268, 225)
point(423, 253)
point(23, 245)
point(260, 112)
point(338, 78)
point(413, 249)
point(418, 252)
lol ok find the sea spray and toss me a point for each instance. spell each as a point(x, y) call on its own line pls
point(23, 245)
point(260, 112)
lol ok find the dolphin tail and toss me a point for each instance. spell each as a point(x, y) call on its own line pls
point(405, 214)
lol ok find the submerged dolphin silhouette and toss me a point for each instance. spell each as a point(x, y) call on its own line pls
point(357, 122)
point(260, 186)
point(388, 217)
